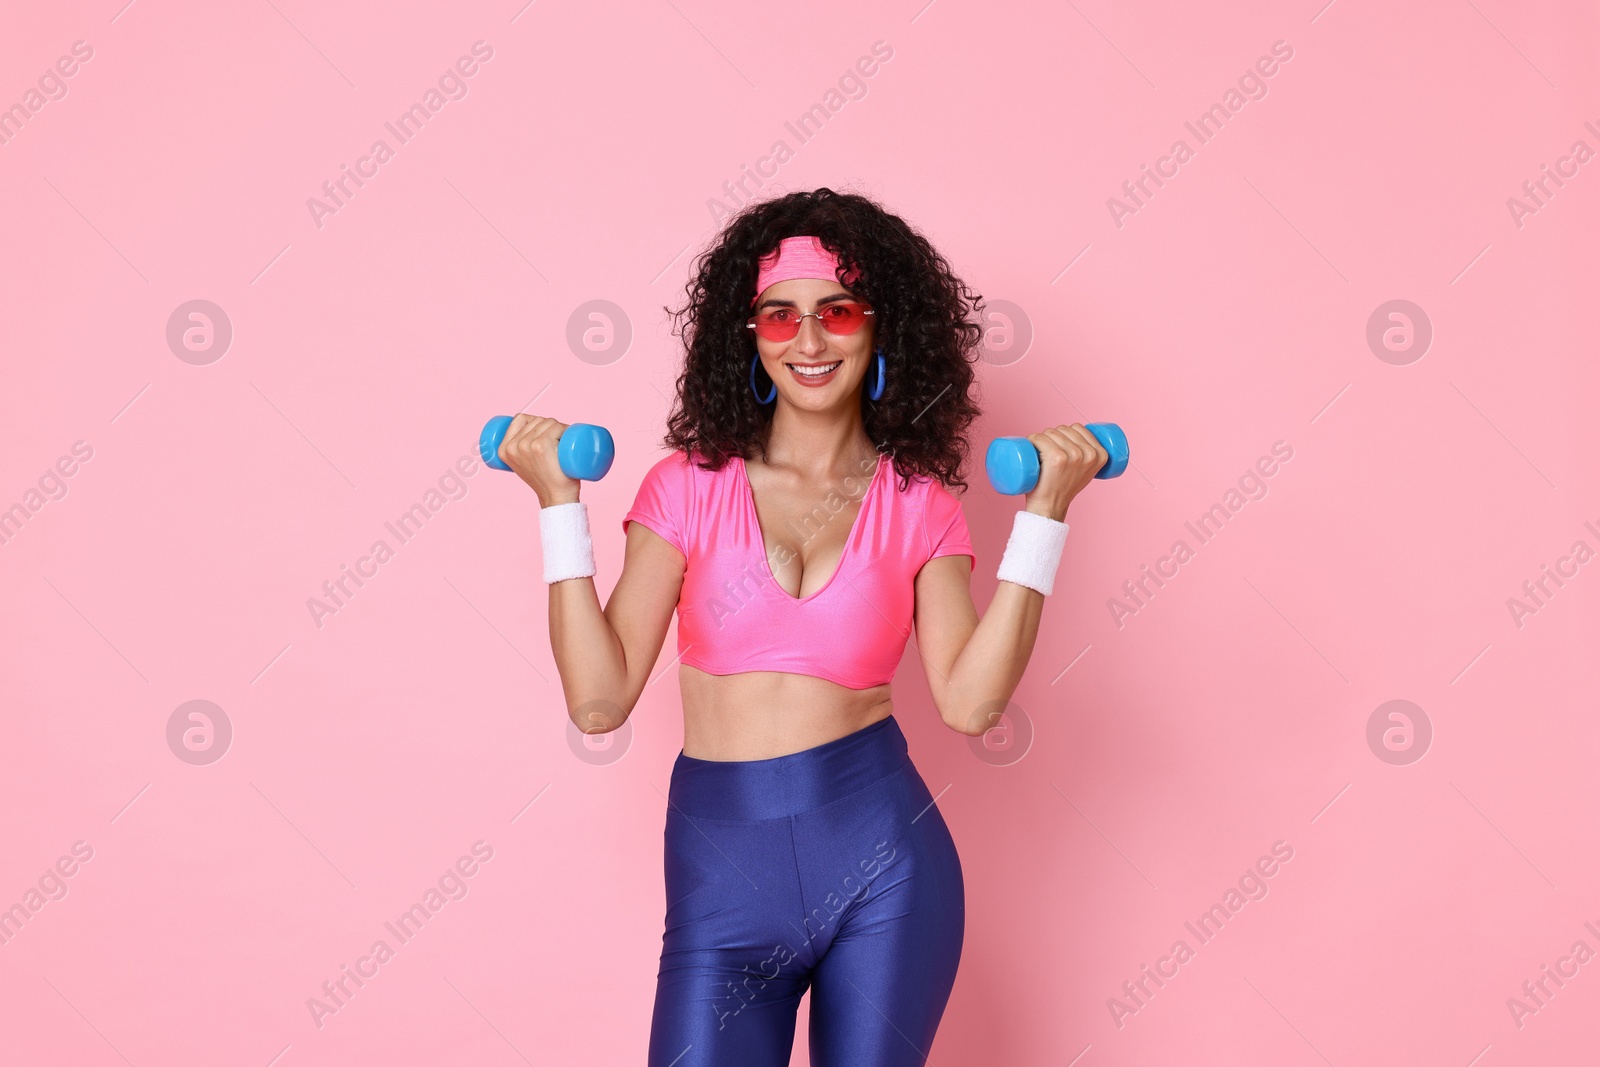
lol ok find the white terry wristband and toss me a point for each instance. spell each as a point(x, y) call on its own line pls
point(1033, 551)
point(568, 548)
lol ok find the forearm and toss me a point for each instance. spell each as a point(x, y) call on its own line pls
point(989, 667)
point(589, 657)
point(990, 664)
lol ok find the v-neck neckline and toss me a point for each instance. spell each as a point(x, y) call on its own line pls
point(844, 553)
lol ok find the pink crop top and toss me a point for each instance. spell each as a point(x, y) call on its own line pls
point(733, 616)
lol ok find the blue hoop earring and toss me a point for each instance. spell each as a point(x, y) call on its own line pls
point(770, 397)
point(877, 388)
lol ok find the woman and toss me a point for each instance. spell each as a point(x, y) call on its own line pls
point(800, 526)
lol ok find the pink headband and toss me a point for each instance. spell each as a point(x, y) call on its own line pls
point(799, 257)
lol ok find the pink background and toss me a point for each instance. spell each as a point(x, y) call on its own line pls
point(370, 753)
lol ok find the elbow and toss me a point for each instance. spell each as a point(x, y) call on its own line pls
point(967, 719)
point(974, 718)
point(598, 716)
point(964, 728)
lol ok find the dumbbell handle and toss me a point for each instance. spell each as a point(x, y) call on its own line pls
point(1013, 462)
point(585, 452)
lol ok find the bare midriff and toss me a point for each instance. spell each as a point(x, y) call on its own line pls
point(761, 714)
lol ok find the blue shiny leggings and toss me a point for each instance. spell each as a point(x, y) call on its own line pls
point(829, 869)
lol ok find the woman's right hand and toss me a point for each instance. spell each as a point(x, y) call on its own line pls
point(529, 449)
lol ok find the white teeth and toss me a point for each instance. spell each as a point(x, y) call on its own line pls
point(816, 372)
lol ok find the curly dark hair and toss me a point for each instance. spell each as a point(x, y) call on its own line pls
point(927, 324)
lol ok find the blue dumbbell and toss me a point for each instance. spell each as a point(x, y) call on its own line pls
point(585, 452)
point(1013, 462)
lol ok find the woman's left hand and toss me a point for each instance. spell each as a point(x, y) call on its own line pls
point(1069, 458)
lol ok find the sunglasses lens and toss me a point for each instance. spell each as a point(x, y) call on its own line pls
point(777, 324)
point(843, 318)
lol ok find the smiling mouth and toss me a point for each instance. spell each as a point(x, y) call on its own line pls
point(818, 370)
